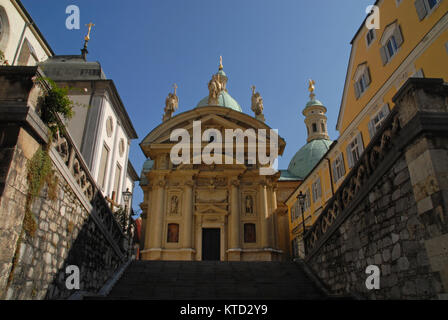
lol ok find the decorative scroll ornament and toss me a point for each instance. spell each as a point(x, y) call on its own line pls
point(171, 104)
point(257, 105)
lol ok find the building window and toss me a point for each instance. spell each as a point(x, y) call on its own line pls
point(377, 120)
point(173, 233)
point(103, 167)
point(307, 200)
point(250, 233)
point(362, 80)
point(425, 7)
point(317, 190)
point(27, 56)
point(1, 27)
point(354, 150)
point(338, 168)
point(115, 194)
point(370, 36)
point(391, 41)
point(323, 127)
point(4, 30)
point(314, 127)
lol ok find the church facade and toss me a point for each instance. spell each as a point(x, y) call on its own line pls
point(198, 211)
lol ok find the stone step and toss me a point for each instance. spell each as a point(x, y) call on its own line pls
point(163, 280)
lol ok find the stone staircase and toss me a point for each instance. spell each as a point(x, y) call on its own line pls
point(210, 280)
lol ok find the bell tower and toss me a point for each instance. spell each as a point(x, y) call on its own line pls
point(315, 118)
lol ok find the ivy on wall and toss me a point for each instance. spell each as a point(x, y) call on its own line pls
point(39, 169)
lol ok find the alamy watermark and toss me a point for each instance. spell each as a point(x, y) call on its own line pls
point(72, 281)
point(255, 151)
point(373, 20)
point(73, 20)
point(373, 280)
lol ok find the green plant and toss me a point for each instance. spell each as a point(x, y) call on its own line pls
point(55, 101)
point(39, 172)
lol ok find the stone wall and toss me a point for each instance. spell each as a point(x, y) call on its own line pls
point(397, 219)
point(76, 228)
point(384, 230)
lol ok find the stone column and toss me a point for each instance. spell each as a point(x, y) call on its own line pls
point(156, 222)
point(188, 216)
point(264, 215)
point(274, 217)
point(235, 246)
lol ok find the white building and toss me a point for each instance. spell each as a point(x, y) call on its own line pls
point(101, 128)
point(21, 42)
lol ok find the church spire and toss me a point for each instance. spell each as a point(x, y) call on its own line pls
point(315, 118)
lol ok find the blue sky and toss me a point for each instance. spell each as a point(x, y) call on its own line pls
point(277, 45)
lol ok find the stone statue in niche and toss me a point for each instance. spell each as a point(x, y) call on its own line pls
point(249, 205)
point(174, 207)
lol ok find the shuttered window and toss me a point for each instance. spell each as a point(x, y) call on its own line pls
point(338, 168)
point(424, 7)
point(317, 190)
point(370, 36)
point(377, 120)
point(354, 150)
point(362, 83)
point(392, 44)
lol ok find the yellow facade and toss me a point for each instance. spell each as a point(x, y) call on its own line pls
point(423, 53)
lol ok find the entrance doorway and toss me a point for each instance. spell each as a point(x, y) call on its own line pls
point(211, 244)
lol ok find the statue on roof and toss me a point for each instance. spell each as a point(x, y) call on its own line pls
point(214, 87)
point(257, 105)
point(311, 88)
point(171, 104)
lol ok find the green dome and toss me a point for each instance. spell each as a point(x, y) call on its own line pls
point(307, 157)
point(224, 100)
point(314, 102)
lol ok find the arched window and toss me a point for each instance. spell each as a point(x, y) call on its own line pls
point(173, 233)
point(314, 127)
point(250, 233)
point(4, 29)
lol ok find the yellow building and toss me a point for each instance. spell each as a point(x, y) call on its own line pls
point(412, 41)
point(195, 210)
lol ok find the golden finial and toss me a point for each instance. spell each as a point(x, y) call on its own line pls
point(90, 25)
point(220, 63)
point(311, 87)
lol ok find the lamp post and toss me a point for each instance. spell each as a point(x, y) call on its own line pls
point(301, 198)
point(126, 197)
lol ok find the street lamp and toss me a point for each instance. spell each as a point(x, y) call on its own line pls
point(301, 198)
point(126, 197)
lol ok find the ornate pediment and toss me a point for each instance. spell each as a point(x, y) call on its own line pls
point(210, 210)
point(210, 117)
